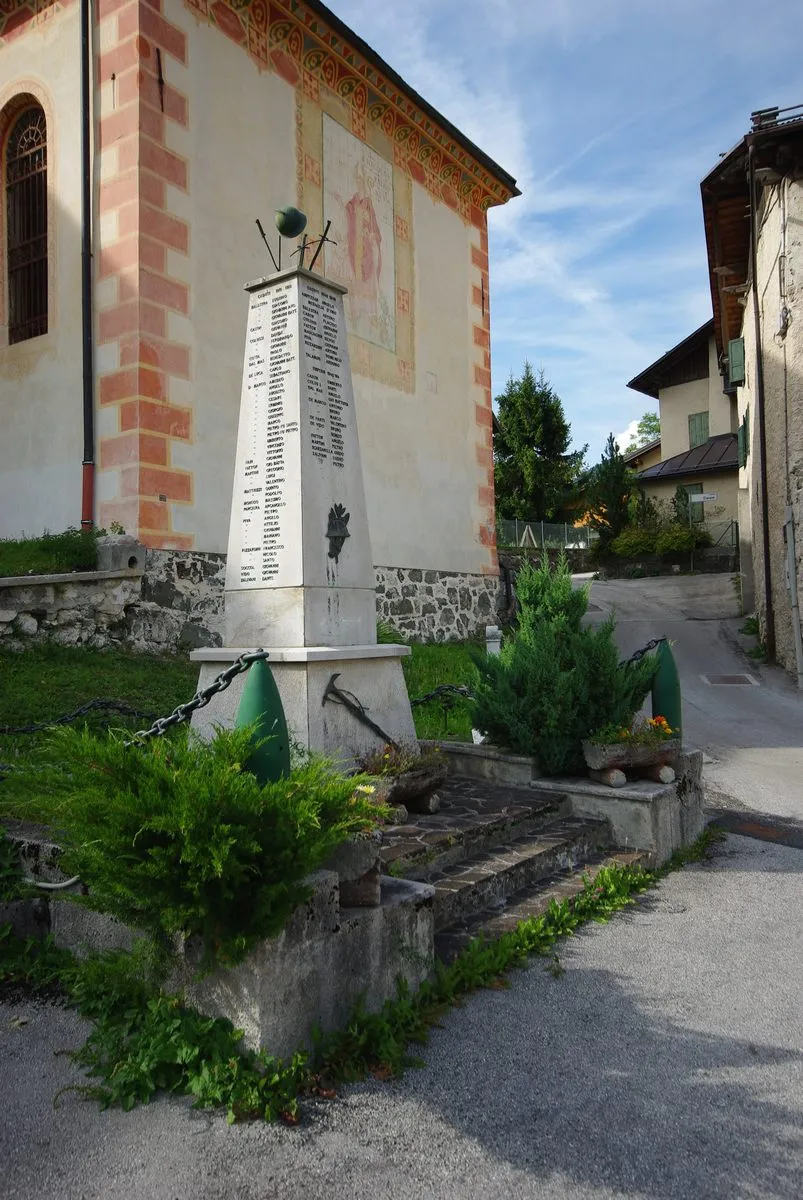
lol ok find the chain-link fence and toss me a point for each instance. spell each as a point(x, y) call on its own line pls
point(544, 535)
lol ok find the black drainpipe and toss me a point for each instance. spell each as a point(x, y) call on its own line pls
point(88, 464)
point(762, 429)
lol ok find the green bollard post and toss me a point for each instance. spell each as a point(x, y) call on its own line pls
point(666, 698)
point(261, 706)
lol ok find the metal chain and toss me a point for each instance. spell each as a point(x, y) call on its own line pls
point(644, 650)
point(200, 699)
point(441, 692)
point(117, 706)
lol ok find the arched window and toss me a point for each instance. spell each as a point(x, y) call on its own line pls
point(26, 225)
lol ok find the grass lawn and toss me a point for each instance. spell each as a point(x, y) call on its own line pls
point(47, 681)
point(50, 554)
point(433, 664)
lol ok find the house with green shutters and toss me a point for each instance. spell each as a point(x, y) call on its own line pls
point(699, 437)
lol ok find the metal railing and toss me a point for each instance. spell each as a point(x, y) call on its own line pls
point(722, 533)
point(544, 535)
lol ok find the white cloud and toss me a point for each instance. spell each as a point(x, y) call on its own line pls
point(627, 436)
point(599, 267)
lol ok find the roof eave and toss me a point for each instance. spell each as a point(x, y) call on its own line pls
point(646, 381)
point(340, 27)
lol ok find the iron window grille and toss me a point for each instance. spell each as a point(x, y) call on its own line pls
point(26, 225)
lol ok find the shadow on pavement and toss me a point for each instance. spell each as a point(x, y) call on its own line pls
point(609, 1094)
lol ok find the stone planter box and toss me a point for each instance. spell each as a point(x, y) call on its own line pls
point(643, 815)
point(624, 756)
point(334, 950)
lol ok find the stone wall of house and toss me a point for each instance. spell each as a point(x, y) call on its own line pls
point(175, 604)
point(781, 234)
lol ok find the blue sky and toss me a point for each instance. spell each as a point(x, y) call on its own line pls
point(608, 113)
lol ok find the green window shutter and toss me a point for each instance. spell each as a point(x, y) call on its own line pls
point(698, 429)
point(736, 362)
point(740, 442)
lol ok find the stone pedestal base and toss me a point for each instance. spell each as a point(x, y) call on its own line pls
point(373, 674)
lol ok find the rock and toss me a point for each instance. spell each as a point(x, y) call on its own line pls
point(425, 804)
point(365, 892)
point(26, 624)
point(355, 857)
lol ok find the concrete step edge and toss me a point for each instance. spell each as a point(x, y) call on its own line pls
point(467, 842)
point(489, 878)
point(530, 902)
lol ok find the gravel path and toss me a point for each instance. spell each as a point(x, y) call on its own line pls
point(666, 1062)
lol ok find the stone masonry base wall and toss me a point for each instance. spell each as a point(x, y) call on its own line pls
point(436, 605)
point(176, 605)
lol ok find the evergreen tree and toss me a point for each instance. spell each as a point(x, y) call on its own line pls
point(533, 467)
point(557, 680)
point(610, 487)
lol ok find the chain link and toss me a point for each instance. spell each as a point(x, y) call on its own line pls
point(639, 654)
point(451, 690)
point(117, 706)
point(200, 699)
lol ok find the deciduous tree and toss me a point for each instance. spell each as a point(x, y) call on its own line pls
point(648, 430)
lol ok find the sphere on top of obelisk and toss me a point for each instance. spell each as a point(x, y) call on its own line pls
point(290, 222)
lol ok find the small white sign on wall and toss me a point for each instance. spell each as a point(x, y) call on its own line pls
point(703, 497)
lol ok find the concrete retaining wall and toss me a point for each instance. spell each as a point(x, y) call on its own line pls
point(172, 604)
point(327, 958)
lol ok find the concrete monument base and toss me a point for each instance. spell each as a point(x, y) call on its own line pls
point(325, 960)
point(371, 673)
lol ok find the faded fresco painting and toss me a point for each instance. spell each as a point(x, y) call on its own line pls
point(358, 199)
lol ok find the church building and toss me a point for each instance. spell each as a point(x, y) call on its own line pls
point(140, 141)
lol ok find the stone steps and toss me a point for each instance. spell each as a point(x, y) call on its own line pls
point(488, 878)
point(428, 845)
point(532, 901)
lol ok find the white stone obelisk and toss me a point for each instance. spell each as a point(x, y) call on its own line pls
point(299, 575)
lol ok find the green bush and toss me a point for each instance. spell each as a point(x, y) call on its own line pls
point(633, 542)
point(679, 540)
point(556, 681)
point(175, 837)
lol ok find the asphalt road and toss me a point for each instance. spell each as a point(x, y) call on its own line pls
point(752, 733)
point(665, 1063)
